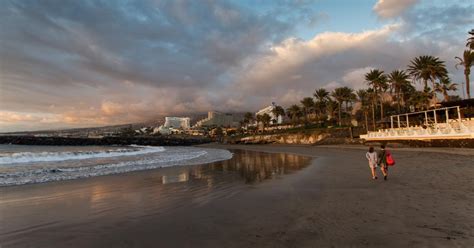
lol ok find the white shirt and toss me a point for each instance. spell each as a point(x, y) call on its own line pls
point(372, 157)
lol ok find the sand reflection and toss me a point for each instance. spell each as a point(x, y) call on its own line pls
point(136, 195)
point(252, 167)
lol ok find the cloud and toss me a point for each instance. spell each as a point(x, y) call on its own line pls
point(392, 8)
point(356, 77)
point(85, 63)
point(16, 117)
point(316, 62)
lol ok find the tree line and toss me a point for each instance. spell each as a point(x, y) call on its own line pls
point(387, 93)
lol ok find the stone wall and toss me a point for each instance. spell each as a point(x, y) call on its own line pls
point(304, 137)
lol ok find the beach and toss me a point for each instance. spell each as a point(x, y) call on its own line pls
point(265, 196)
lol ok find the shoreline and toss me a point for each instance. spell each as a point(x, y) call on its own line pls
point(259, 147)
point(427, 202)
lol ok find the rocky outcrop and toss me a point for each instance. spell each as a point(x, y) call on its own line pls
point(302, 137)
point(306, 139)
point(61, 141)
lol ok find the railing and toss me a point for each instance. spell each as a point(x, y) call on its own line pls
point(463, 128)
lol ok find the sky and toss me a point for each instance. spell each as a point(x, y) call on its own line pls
point(68, 63)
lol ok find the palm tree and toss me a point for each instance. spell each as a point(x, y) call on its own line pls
point(248, 118)
point(331, 107)
point(372, 95)
point(470, 40)
point(294, 113)
point(405, 92)
point(278, 111)
point(258, 118)
point(363, 98)
point(265, 119)
point(466, 61)
point(444, 86)
point(322, 97)
point(378, 80)
point(397, 80)
point(349, 97)
point(339, 96)
point(308, 105)
point(427, 68)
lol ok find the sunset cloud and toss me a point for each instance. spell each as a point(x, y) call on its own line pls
point(392, 8)
point(86, 63)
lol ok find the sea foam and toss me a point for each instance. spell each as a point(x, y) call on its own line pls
point(31, 157)
point(144, 158)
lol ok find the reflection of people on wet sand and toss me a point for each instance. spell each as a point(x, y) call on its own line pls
point(371, 155)
point(382, 156)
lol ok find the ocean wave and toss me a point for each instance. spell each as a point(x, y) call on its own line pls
point(187, 156)
point(32, 157)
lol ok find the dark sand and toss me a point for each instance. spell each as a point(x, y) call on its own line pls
point(255, 200)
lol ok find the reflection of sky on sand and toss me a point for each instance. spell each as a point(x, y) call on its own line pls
point(182, 177)
point(139, 194)
point(249, 167)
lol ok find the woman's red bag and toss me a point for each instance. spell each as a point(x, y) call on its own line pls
point(390, 160)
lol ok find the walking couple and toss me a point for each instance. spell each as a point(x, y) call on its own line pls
point(383, 159)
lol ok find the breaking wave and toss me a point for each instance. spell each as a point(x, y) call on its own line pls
point(32, 157)
point(40, 167)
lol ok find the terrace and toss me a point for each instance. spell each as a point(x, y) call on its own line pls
point(441, 123)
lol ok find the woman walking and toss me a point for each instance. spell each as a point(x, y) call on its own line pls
point(383, 162)
point(371, 155)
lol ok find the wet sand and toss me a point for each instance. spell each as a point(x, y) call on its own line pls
point(294, 196)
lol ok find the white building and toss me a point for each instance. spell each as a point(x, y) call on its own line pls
point(217, 119)
point(177, 122)
point(269, 110)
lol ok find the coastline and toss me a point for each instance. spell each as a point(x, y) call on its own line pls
point(427, 202)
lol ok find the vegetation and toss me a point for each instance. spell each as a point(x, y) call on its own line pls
point(264, 119)
point(277, 112)
point(470, 40)
point(386, 94)
point(467, 61)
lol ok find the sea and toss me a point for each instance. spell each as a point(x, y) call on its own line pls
point(20, 164)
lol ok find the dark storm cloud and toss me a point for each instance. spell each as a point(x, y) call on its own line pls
point(444, 21)
point(154, 42)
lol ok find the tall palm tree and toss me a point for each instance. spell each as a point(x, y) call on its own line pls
point(363, 98)
point(308, 105)
point(372, 95)
point(322, 97)
point(470, 40)
point(349, 97)
point(294, 113)
point(378, 80)
point(444, 86)
point(405, 92)
point(427, 68)
point(339, 96)
point(466, 61)
point(397, 80)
